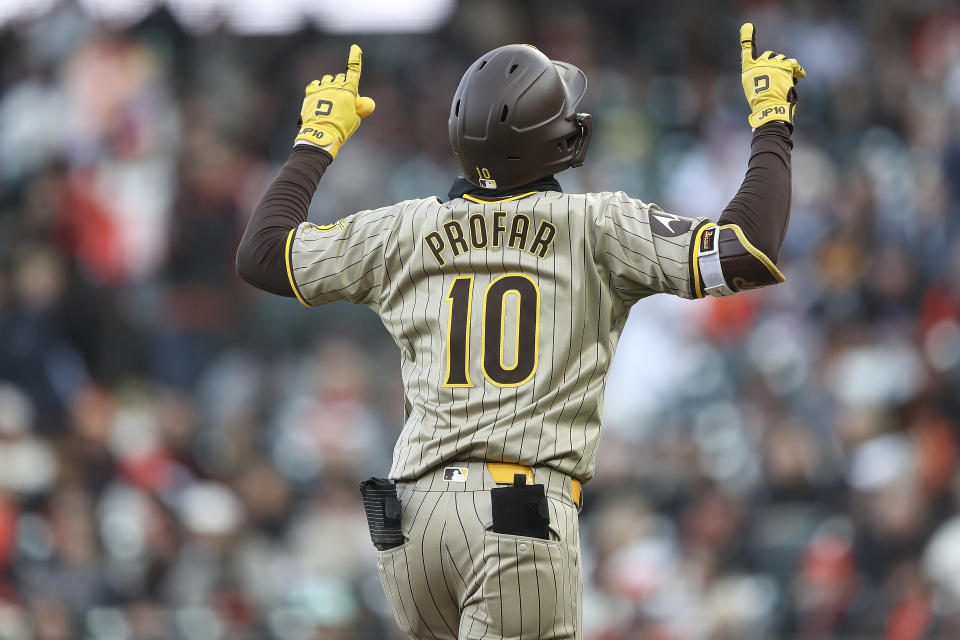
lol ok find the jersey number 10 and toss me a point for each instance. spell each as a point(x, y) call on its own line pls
point(525, 331)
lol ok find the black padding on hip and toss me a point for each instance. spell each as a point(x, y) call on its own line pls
point(383, 509)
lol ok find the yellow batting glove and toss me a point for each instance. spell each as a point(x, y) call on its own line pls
point(332, 109)
point(768, 81)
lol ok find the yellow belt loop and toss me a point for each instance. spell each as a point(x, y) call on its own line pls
point(576, 490)
point(503, 472)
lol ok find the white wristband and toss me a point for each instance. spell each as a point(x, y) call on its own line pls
point(307, 142)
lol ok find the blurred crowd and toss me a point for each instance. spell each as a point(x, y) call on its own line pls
point(179, 454)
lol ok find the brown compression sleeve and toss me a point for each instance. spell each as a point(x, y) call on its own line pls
point(762, 205)
point(261, 259)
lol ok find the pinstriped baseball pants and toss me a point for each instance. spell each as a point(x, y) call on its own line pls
point(455, 579)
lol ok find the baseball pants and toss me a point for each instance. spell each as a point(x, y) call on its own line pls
point(455, 579)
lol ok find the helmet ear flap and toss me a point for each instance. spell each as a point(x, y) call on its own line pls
point(585, 122)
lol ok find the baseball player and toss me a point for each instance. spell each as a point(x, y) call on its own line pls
point(506, 300)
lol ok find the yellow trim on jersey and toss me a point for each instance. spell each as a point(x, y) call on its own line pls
point(286, 261)
point(696, 258)
point(756, 253)
point(479, 201)
point(327, 227)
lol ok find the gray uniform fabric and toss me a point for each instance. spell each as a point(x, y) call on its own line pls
point(507, 315)
point(455, 578)
point(597, 254)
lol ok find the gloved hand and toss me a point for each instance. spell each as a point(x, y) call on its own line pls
point(768, 81)
point(332, 109)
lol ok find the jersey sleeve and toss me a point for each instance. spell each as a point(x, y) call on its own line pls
point(647, 250)
point(339, 261)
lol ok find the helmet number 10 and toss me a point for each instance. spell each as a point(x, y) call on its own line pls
point(500, 368)
point(484, 178)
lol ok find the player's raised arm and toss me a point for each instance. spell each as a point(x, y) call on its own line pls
point(741, 252)
point(649, 251)
point(330, 114)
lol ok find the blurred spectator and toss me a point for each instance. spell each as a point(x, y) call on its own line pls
point(179, 454)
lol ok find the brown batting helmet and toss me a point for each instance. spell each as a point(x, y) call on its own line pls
point(514, 118)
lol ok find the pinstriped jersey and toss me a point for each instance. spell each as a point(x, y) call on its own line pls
point(507, 313)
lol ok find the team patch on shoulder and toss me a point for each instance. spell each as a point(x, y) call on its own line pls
point(668, 225)
point(455, 474)
point(327, 227)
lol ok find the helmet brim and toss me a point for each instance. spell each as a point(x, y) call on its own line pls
point(575, 84)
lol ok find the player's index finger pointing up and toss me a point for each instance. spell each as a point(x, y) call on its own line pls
point(748, 42)
point(353, 67)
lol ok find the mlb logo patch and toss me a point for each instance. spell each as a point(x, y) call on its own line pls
point(455, 474)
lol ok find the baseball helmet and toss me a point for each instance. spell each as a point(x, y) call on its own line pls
point(514, 118)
